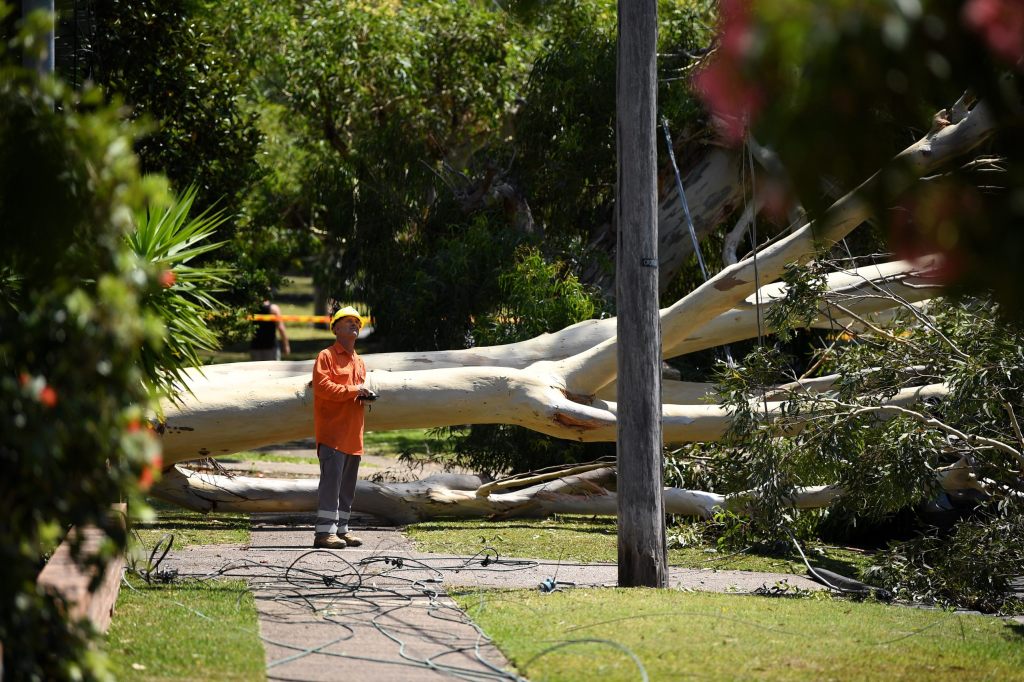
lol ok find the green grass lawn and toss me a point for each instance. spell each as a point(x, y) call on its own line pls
point(590, 539)
point(189, 631)
point(192, 528)
point(146, 639)
point(595, 634)
point(381, 443)
point(395, 443)
point(250, 456)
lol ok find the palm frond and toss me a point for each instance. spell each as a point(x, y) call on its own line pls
point(168, 239)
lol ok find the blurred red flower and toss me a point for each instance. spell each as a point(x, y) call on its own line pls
point(733, 99)
point(1001, 25)
point(48, 396)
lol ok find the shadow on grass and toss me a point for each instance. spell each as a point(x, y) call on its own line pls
point(397, 443)
point(177, 522)
point(838, 565)
point(538, 525)
point(170, 517)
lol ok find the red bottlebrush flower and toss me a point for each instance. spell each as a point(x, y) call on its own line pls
point(149, 472)
point(146, 478)
point(48, 396)
point(133, 426)
point(1000, 23)
point(24, 378)
point(167, 279)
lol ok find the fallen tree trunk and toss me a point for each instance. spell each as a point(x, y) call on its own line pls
point(857, 289)
point(458, 496)
point(246, 405)
point(468, 395)
point(552, 384)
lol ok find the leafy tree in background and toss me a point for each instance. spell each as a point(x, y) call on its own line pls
point(536, 297)
point(564, 141)
point(165, 61)
point(391, 96)
point(434, 138)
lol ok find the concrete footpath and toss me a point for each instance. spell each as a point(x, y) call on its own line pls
point(382, 611)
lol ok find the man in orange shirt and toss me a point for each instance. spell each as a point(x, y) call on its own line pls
point(338, 398)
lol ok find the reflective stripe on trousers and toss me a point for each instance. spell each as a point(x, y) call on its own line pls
point(338, 475)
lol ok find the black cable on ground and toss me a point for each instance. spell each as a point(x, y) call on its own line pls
point(346, 590)
point(840, 583)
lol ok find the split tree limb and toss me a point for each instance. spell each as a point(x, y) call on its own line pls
point(455, 496)
point(589, 371)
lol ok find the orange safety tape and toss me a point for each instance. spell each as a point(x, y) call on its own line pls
point(295, 318)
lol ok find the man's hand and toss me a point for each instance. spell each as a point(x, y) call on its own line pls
point(365, 393)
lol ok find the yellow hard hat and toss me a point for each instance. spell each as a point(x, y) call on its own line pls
point(347, 311)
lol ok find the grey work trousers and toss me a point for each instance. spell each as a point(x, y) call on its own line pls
point(338, 475)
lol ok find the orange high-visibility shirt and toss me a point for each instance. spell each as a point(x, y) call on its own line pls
point(337, 415)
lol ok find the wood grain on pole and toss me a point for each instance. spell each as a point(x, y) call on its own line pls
point(642, 558)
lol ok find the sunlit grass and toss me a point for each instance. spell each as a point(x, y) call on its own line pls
point(380, 443)
point(149, 641)
point(192, 528)
point(590, 539)
point(610, 634)
point(399, 441)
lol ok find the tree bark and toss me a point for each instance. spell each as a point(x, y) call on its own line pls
point(711, 178)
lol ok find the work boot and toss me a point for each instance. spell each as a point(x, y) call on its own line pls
point(328, 541)
point(351, 540)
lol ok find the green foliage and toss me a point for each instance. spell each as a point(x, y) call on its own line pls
point(163, 58)
point(382, 99)
point(431, 303)
point(884, 461)
point(71, 388)
point(399, 133)
point(82, 350)
point(536, 297)
point(168, 239)
point(976, 565)
point(565, 128)
point(804, 289)
point(169, 63)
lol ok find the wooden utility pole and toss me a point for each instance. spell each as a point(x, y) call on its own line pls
point(642, 559)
